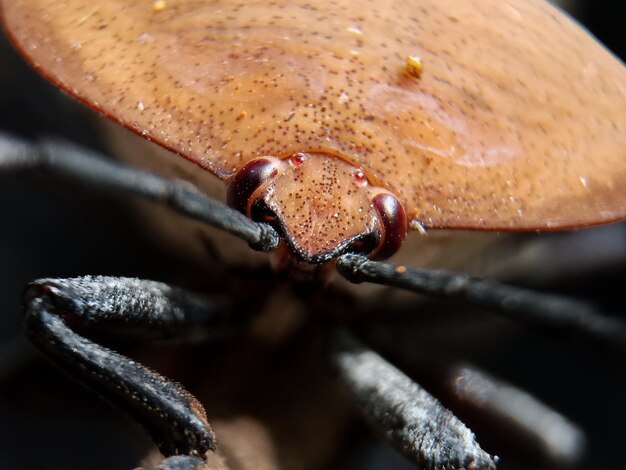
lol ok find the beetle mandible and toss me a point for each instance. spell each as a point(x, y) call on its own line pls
point(247, 94)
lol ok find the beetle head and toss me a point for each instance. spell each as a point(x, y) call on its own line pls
point(322, 205)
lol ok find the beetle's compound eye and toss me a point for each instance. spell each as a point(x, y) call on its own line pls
point(392, 226)
point(393, 223)
point(250, 178)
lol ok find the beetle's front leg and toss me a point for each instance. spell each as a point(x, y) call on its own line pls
point(56, 310)
point(178, 462)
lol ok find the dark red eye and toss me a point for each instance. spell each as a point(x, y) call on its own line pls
point(394, 224)
point(248, 179)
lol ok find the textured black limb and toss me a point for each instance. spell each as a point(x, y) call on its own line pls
point(544, 433)
point(509, 418)
point(81, 166)
point(178, 462)
point(557, 314)
point(410, 418)
point(56, 310)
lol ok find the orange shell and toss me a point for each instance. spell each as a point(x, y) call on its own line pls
point(516, 121)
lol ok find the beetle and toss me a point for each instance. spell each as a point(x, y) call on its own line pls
point(512, 214)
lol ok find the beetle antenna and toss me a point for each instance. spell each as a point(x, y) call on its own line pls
point(557, 314)
point(87, 168)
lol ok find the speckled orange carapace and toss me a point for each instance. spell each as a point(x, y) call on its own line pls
point(516, 121)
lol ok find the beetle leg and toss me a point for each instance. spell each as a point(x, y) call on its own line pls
point(178, 462)
point(515, 412)
point(84, 167)
point(504, 415)
point(56, 310)
point(411, 419)
point(553, 313)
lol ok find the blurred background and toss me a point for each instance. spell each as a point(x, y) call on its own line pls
point(48, 421)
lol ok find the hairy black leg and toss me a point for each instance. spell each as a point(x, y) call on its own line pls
point(503, 415)
point(82, 166)
point(541, 431)
point(411, 419)
point(560, 315)
point(57, 310)
point(178, 462)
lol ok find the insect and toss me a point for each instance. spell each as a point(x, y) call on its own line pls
point(451, 161)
